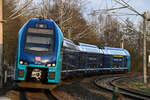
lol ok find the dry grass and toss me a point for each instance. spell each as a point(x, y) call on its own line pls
point(138, 85)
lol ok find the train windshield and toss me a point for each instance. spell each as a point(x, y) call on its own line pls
point(39, 41)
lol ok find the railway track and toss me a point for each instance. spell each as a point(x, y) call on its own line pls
point(22, 95)
point(35, 94)
point(107, 83)
point(49, 95)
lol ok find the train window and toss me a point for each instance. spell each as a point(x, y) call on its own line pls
point(39, 40)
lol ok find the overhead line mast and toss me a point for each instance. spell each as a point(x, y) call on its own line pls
point(1, 43)
point(144, 16)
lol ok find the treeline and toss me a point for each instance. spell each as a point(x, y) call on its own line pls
point(112, 32)
point(101, 30)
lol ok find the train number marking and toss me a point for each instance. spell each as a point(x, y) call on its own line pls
point(36, 74)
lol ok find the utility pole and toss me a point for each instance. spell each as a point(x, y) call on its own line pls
point(122, 42)
point(1, 42)
point(144, 47)
point(144, 16)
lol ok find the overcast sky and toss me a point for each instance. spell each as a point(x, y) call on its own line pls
point(139, 5)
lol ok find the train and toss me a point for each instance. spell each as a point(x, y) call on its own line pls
point(39, 51)
point(88, 59)
point(45, 55)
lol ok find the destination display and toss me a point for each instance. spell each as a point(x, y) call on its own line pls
point(41, 31)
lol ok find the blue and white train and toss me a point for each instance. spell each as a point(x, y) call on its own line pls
point(39, 52)
point(44, 55)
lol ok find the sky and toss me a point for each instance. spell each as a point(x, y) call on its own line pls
point(140, 5)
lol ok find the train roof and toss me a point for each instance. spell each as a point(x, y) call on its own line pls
point(83, 47)
point(69, 44)
point(88, 45)
point(112, 48)
point(127, 52)
point(68, 40)
point(115, 51)
point(101, 51)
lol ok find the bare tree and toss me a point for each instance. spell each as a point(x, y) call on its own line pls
point(69, 15)
point(11, 29)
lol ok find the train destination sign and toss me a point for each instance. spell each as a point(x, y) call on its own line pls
point(42, 31)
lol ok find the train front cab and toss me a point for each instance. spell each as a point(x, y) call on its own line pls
point(49, 65)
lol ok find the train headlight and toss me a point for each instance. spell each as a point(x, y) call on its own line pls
point(48, 65)
point(53, 64)
point(21, 62)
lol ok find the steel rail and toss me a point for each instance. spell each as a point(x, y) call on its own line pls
point(49, 95)
point(125, 92)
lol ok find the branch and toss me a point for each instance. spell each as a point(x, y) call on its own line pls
point(82, 33)
point(3, 21)
point(67, 20)
point(19, 10)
